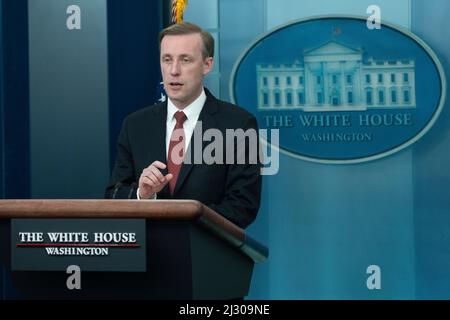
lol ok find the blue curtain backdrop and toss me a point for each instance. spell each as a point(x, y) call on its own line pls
point(133, 56)
point(14, 121)
point(1, 99)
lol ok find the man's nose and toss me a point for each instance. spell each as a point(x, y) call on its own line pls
point(175, 68)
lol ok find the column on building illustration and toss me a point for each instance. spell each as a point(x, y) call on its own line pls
point(326, 91)
point(301, 88)
point(309, 85)
point(357, 93)
point(342, 76)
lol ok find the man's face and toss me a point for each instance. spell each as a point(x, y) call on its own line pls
point(183, 67)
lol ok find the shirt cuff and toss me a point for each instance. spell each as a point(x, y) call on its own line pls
point(139, 198)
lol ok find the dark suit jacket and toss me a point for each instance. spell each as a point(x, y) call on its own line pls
point(233, 190)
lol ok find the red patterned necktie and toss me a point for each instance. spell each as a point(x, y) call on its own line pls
point(176, 150)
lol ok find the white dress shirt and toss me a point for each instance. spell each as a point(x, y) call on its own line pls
point(192, 113)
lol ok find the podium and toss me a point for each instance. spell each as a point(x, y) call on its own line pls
point(192, 252)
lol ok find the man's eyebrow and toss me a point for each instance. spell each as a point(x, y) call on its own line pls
point(183, 55)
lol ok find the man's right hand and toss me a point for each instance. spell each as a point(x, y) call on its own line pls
point(152, 180)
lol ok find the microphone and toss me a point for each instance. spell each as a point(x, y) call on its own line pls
point(116, 188)
point(133, 188)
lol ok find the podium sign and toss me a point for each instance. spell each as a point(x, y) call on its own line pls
point(91, 244)
point(193, 252)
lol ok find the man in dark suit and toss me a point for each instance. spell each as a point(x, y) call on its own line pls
point(158, 146)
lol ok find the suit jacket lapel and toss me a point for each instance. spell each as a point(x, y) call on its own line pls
point(194, 153)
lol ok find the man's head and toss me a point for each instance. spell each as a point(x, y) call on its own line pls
point(186, 56)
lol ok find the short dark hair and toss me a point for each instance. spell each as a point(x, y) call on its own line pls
point(190, 28)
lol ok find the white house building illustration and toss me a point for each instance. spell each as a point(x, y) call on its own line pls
point(335, 77)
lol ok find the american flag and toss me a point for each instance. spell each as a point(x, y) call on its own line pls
point(161, 94)
point(178, 7)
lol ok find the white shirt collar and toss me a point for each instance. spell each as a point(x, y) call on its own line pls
point(191, 111)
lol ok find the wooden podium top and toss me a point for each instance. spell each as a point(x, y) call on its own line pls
point(189, 210)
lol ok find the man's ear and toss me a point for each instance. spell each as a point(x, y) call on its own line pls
point(207, 65)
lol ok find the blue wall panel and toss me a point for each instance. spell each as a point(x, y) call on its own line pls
point(247, 16)
point(431, 170)
point(68, 99)
point(325, 224)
